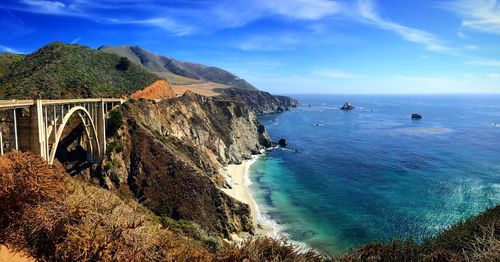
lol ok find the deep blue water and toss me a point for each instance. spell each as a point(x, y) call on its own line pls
point(373, 173)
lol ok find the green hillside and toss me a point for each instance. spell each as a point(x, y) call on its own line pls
point(176, 71)
point(68, 71)
point(7, 60)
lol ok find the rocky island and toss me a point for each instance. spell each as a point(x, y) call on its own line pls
point(347, 106)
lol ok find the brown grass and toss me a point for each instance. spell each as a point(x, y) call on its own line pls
point(267, 249)
point(204, 89)
point(486, 246)
point(58, 219)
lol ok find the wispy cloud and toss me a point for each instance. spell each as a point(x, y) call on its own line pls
point(368, 11)
point(10, 50)
point(76, 40)
point(279, 42)
point(478, 15)
point(336, 74)
point(166, 24)
point(494, 63)
point(50, 8)
point(303, 9)
point(495, 76)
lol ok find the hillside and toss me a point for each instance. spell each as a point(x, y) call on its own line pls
point(8, 60)
point(177, 72)
point(67, 71)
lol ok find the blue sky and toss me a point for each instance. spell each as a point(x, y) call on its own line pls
point(287, 46)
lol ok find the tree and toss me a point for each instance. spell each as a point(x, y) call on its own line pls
point(123, 64)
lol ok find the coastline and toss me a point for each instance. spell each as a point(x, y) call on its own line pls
point(237, 176)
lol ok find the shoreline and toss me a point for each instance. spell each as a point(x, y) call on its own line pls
point(237, 176)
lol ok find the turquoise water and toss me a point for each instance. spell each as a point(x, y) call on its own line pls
point(374, 174)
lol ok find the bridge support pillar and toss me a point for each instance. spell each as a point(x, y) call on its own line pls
point(101, 127)
point(38, 145)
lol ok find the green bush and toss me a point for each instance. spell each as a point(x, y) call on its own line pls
point(114, 122)
point(123, 64)
point(114, 146)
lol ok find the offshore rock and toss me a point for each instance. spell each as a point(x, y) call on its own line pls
point(347, 106)
point(282, 142)
point(416, 116)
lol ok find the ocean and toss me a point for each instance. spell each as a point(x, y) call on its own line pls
point(373, 174)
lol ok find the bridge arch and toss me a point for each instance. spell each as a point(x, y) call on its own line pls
point(90, 131)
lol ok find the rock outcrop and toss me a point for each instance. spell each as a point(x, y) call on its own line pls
point(416, 116)
point(347, 106)
point(259, 101)
point(169, 152)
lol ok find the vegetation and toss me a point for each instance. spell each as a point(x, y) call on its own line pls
point(177, 71)
point(55, 218)
point(475, 239)
point(7, 60)
point(114, 122)
point(70, 71)
point(123, 64)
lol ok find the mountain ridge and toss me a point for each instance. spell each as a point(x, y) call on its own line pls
point(165, 64)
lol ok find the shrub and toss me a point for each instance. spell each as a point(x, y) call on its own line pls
point(123, 64)
point(29, 188)
point(115, 121)
point(267, 249)
point(57, 219)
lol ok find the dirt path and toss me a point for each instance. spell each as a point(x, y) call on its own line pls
point(7, 256)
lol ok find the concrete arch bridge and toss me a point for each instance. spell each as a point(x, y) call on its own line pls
point(38, 125)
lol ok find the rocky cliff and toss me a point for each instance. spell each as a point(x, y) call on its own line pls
point(167, 154)
point(258, 101)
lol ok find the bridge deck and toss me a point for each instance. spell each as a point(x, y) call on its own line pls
point(24, 103)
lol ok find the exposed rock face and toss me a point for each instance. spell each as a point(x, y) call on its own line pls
point(170, 152)
point(416, 116)
point(258, 101)
point(287, 101)
point(347, 106)
point(160, 89)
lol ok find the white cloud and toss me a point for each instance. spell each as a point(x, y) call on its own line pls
point(10, 50)
point(302, 9)
point(336, 74)
point(47, 7)
point(368, 12)
point(493, 63)
point(478, 15)
point(495, 76)
point(166, 24)
point(279, 42)
point(472, 47)
point(76, 40)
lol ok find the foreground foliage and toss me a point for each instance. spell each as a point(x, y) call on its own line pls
point(52, 217)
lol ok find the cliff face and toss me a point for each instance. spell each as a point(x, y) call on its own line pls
point(258, 101)
point(167, 154)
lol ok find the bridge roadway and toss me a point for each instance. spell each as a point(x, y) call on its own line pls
point(38, 125)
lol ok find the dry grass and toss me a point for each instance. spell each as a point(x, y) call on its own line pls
point(205, 89)
point(27, 187)
point(58, 219)
point(267, 249)
point(486, 246)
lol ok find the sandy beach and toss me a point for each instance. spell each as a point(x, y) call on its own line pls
point(237, 177)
